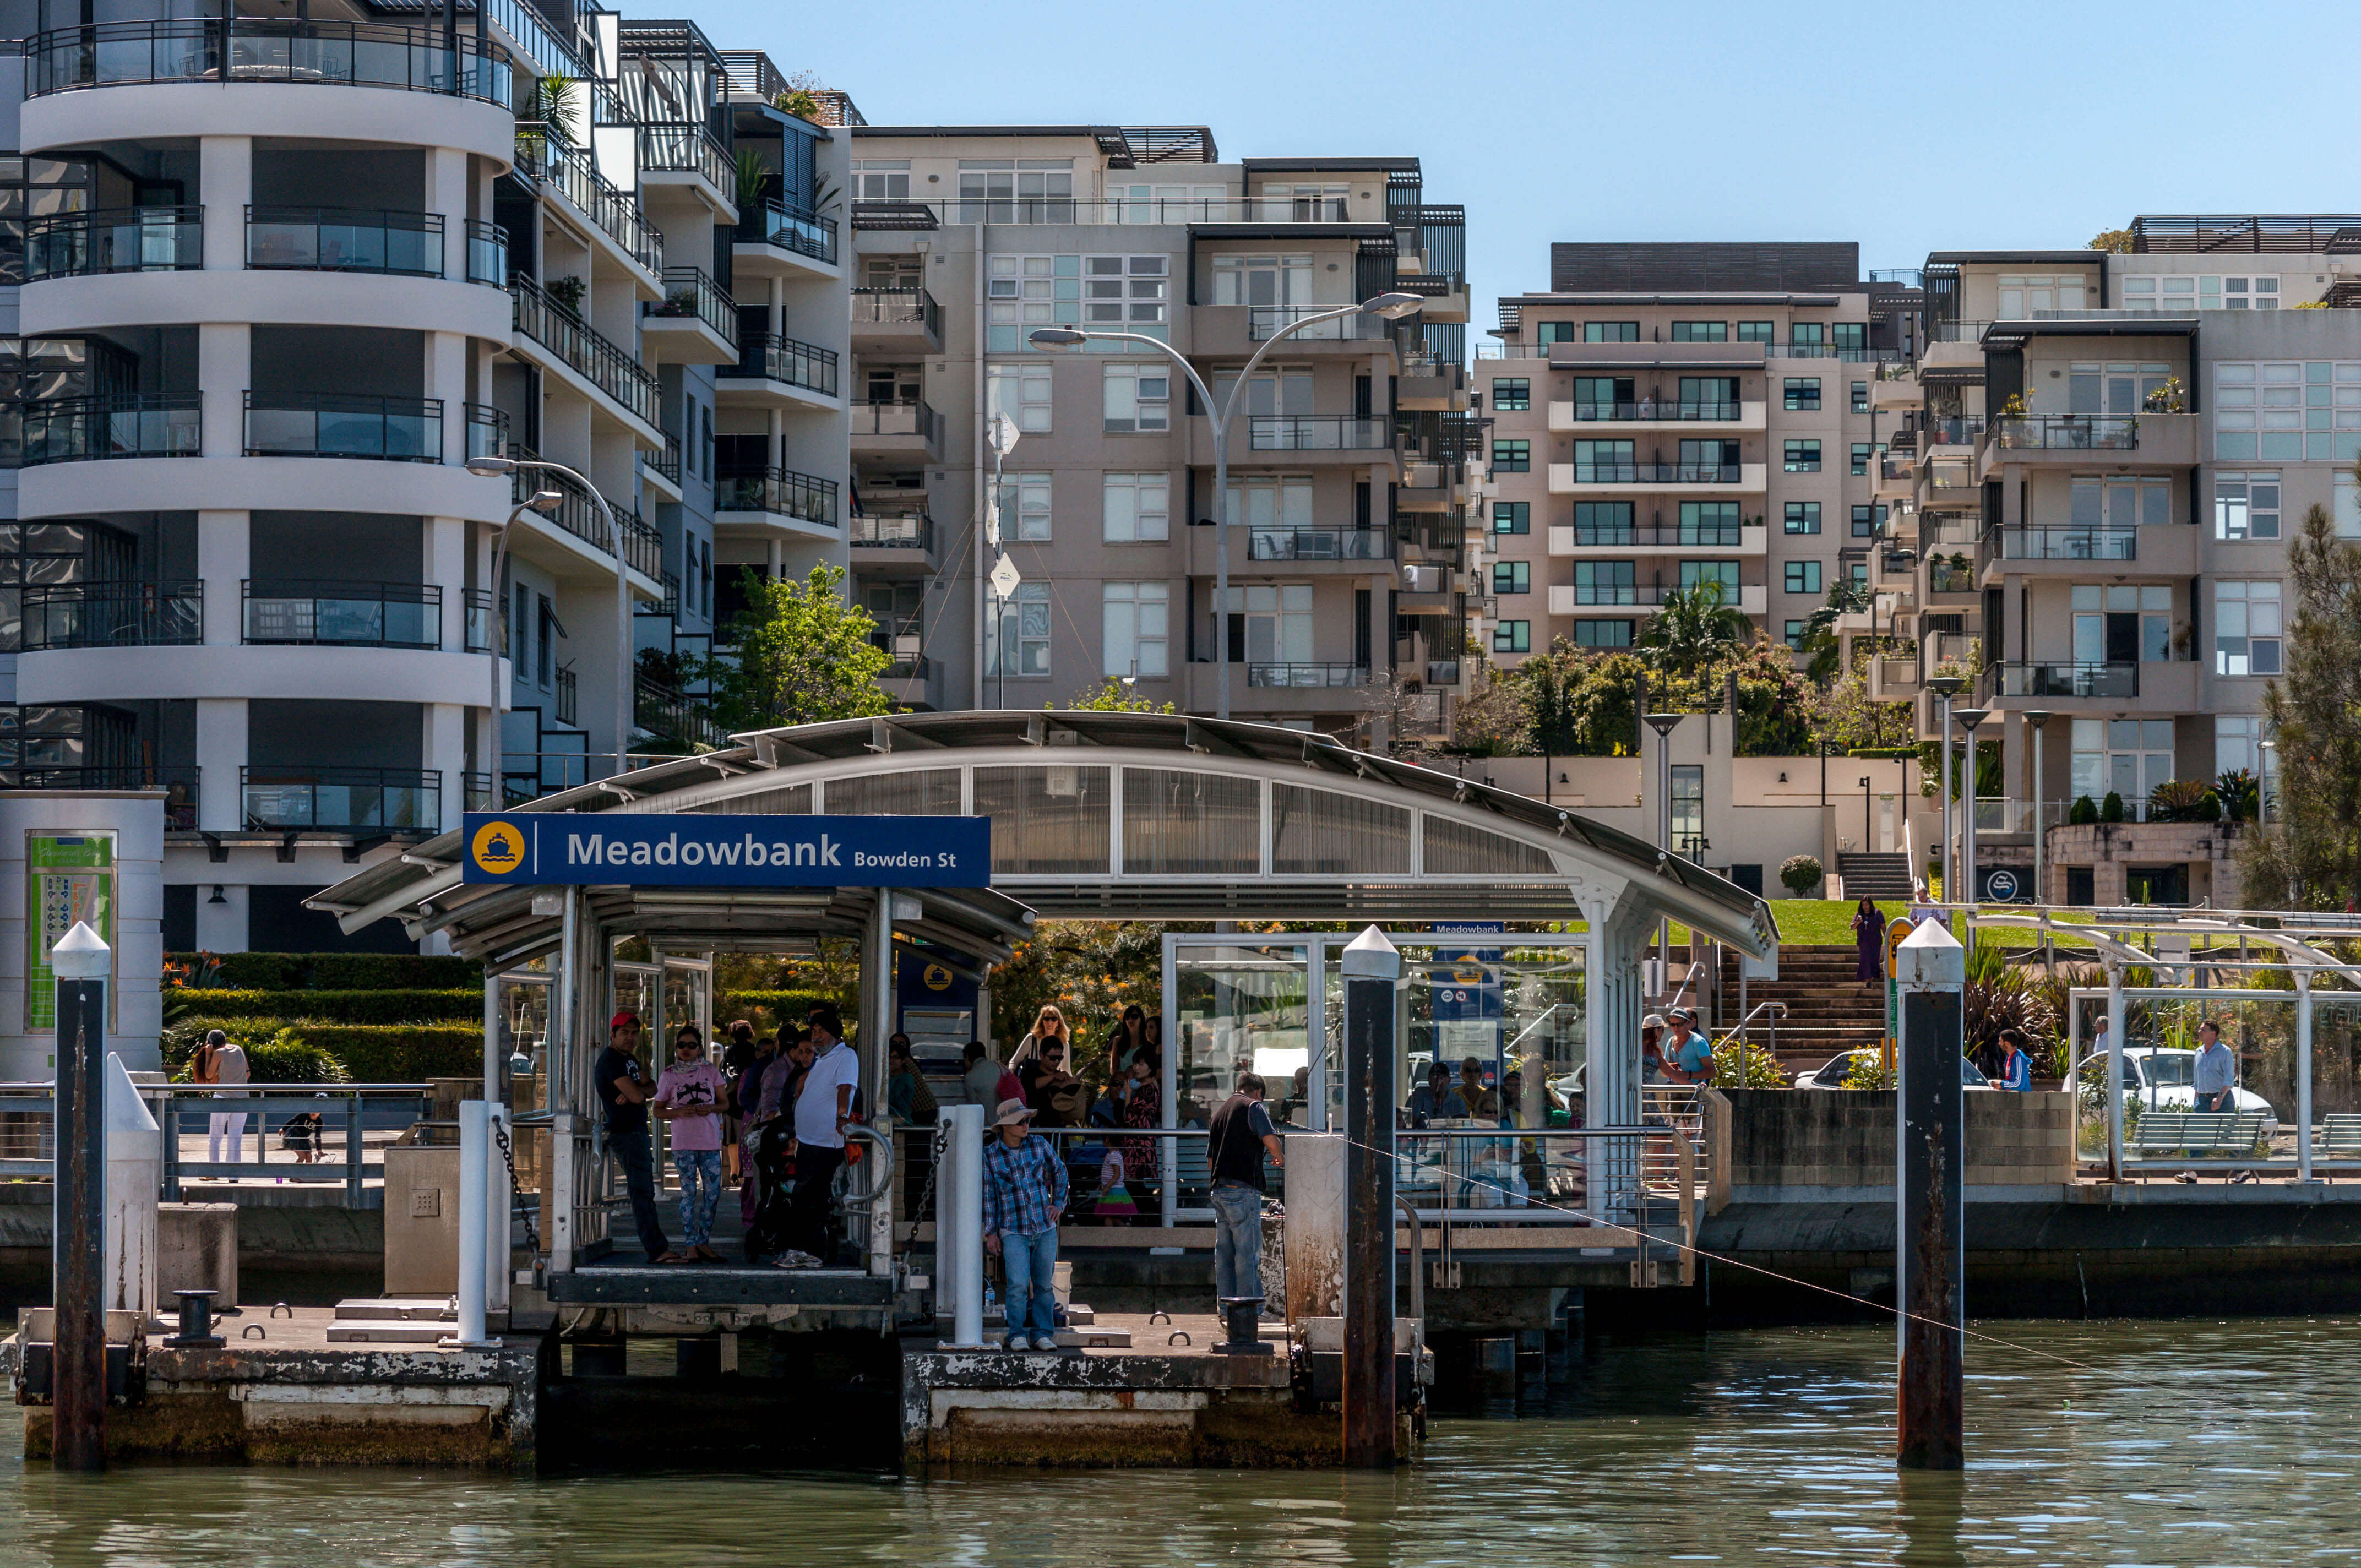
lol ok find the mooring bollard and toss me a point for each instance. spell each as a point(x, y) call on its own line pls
point(1241, 1321)
point(196, 1322)
point(1930, 1254)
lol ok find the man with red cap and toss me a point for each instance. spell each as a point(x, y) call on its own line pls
point(624, 1090)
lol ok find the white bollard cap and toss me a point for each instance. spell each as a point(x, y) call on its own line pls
point(1370, 957)
point(80, 954)
point(1930, 958)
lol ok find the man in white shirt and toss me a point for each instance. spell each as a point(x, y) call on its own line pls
point(823, 1110)
point(229, 1067)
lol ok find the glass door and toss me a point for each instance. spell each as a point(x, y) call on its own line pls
point(1231, 1007)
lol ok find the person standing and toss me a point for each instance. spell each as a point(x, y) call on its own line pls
point(226, 1064)
point(1240, 1136)
point(1143, 1107)
point(1689, 1055)
point(980, 1077)
point(823, 1110)
point(1024, 1193)
point(623, 1091)
point(1869, 942)
point(2015, 1063)
point(1435, 1097)
point(690, 1095)
point(2217, 1071)
point(912, 1102)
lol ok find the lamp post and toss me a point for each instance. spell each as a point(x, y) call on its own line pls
point(491, 467)
point(544, 502)
point(1969, 719)
point(1944, 687)
point(1663, 724)
point(1056, 339)
point(2038, 719)
point(1868, 832)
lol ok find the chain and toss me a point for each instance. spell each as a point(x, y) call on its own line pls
point(927, 1193)
point(500, 1132)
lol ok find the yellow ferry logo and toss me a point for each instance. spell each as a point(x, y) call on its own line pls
point(498, 848)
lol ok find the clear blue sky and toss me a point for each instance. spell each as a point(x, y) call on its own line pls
point(1904, 126)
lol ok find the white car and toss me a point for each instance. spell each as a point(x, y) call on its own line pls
point(1831, 1074)
point(2163, 1078)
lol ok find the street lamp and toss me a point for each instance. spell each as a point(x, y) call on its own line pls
point(1056, 339)
point(543, 502)
point(491, 467)
point(1969, 719)
point(1663, 724)
point(2038, 719)
point(1867, 836)
point(1945, 687)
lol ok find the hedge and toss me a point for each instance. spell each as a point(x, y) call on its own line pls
point(340, 971)
point(371, 1053)
point(1883, 753)
point(337, 1007)
point(766, 1010)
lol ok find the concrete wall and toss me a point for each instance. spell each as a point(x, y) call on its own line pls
point(1774, 1145)
point(2210, 851)
point(136, 819)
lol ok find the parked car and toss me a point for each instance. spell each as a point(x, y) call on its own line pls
point(1833, 1073)
point(2163, 1078)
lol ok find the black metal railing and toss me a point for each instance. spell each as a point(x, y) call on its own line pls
point(666, 462)
point(117, 239)
point(1319, 432)
point(1659, 536)
point(897, 307)
point(548, 159)
point(81, 430)
point(180, 786)
point(772, 357)
point(340, 800)
point(574, 341)
point(2070, 542)
point(660, 710)
point(688, 147)
point(568, 706)
point(578, 515)
point(688, 293)
point(488, 253)
point(1658, 409)
point(487, 430)
point(1307, 674)
point(114, 615)
point(781, 492)
point(2067, 432)
point(344, 615)
point(2067, 679)
point(790, 228)
point(333, 239)
point(914, 417)
point(1657, 473)
point(256, 49)
point(394, 429)
point(480, 607)
point(902, 531)
point(1319, 544)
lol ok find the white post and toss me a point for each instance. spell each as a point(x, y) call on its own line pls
point(2115, 1071)
point(474, 1144)
point(959, 1224)
point(2303, 1075)
point(135, 1169)
point(499, 1200)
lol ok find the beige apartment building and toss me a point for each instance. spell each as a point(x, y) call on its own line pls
point(1672, 414)
point(1348, 462)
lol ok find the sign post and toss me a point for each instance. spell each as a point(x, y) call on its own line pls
point(709, 850)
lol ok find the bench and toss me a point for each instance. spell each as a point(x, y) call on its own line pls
point(2340, 1136)
point(2206, 1134)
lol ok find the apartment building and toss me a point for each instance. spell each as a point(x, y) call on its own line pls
point(1348, 472)
point(278, 278)
point(1672, 414)
point(2101, 458)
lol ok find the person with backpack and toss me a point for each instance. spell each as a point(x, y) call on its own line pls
point(1241, 1136)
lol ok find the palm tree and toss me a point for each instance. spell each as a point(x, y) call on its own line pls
point(1693, 628)
point(1846, 596)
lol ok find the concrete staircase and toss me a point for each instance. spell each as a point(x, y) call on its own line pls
point(1874, 876)
point(1828, 1010)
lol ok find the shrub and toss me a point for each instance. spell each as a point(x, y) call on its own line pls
point(1802, 875)
point(280, 1055)
point(336, 971)
point(2083, 812)
point(2112, 808)
point(340, 1006)
point(2241, 797)
point(367, 1053)
point(1867, 1069)
point(2209, 807)
point(2180, 800)
point(1744, 1065)
point(766, 1010)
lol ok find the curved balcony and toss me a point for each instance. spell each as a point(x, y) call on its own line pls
point(84, 430)
point(112, 240)
point(335, 239)
point(574, 344)
point(391, 430)
point(283, 611)
point(114, 615)
point(340, 800)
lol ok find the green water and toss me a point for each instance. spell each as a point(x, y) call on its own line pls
point(2182, 1444)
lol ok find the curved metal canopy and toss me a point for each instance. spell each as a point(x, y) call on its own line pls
point(1145, 817)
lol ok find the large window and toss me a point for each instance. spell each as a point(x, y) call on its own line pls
point(2238, 743)
point(1700, 331)
point(1263, 280)
point(1711, 522)
point(1512, 457)
point(1603, 522)
point(1794, 634)
point(1020, 391)
point(2122, 623)
point(1512, 516)
point(1511, 394)
point(1695, 575)
point(1800, 393)
point(1808, 335)
point(1002, 190)
point(1803, 457)
point(1860, 456)
point(1129, 292)
point(1602, 634)
point(1548, 333)
point(1020, 641)
point(1803, 576)
point(2246, 628)
point(881, 180)
point(1512, 578)
point(2119, 506)
point(1512, 637)
point(1803, 517)
point(2023, 294)
point(2178, 293)
point(1282, 391)
point(2287, 410)
point(1025, 506)
point(1868, 520)
point(1139, 507)
point(2246, 506)
point(2128, 757)
point(1271, 623)
point(1605, 582)
point(1270, 501)
point(1610, 332)
point(1756, 332)
point(1138, 398)
point(1688, 810)
point(1139, 628)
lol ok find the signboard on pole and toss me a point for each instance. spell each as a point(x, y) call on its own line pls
point(711, 850)
point(69, 878)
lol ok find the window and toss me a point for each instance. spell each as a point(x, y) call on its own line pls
point(1284, 391)
point(520, 643)
point(1270, 501)
point(1868, 521)
point(1605, 397)
point(2247, 505)
point(1803, 517)
point(1849, 338)
point(1605, 582)
point(1004, 190)
point(1808, 335)
point(2288, 411)
point(1512, 516)
point(1803, 457)
point(1512, 457)
point(1689, 808)
point(1263, 280)
point(1861, 397)
point(2202, 292)
point(1700, 331)
point(1610, 332)
point(1801, 392)
point(2121, 756)
point(1138, 620)
point(1711, 397)
point(1709, 522)
point(881, 180)
point(2246, 628)
point(1512, 637)
point(1697, 573)
point(1557, 331)
point(1602, 634)
point(1603, 522)
point(1793, 635)
point(547, 634)
point(1139, 507)
point(2122, 623)
point(1128, 290)
point(1138, 398)
point(1861, 452)
point(2107, 511)
point(1755, 332)
point(1020, 641)
point(2024, 293)
point(1026, 291)
point(2238, 743)
point(2093, 388)
point(1803, 576)
point(1511, 394)
point(1512, 578)
point(1708, 460)
point(1271, 623)
point(705, 441)
point(1020, 391)
point(1025, 506)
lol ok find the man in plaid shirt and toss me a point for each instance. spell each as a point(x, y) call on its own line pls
point(1024, 1193)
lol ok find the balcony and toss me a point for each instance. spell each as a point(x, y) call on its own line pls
point(121, 239)
point(1307, 674)
point(1329, 432)
point(791, 230)
point(1442, 672)
point(1892, 679)
point(685, 147)
point(674, 716)
point(1701, 478)
point(254, 48)
point(766, 357)
point(584, 351)
point(889, 317)
point(488, 254)
point(1655, 414)
point(778, 493)
point(664, 465)
point(1736, 538)
point(1950, 431)
point(1319, 544)
point(1568, 599)
point(180, 786)
point(2070, 680)
point(478, 609)
point(328, 240)
point(1265, 321)
point(114, 615)
point(84, 430)
point(896, 430)
point(695, 322)
point(392, 429)
point(294, 612)
point(359, 801)
point(2032, 541)
point(1429, 384)
point(903, 534)
point(548, 160)
point(577, 516)
point(2067, 432)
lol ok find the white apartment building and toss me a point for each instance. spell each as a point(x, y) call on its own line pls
point(279, 276)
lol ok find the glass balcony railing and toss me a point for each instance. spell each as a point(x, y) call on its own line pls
point(488, 254)
point(392, 429)
point(914, 417)
point(114, 615)
point(909, 530)
point(897, 307)
point(343, 615)
point(2070, 542)
point(789, 228)
point(340, 800)
point(1318, 434)
point(257, 49)
point(1657, 473)
point(1307, 674)
point(1268, 321)
point(481, 609)
point(2067, 432)
point(1319, 544)
point(122, 239)
point(1659, 536)
point(331, 239)
point(2068, 679)
point(81, 430)
point(781, 492)
point(688, 293)
point(766, 356)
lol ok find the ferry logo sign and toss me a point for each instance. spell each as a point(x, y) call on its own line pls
point(709, 850)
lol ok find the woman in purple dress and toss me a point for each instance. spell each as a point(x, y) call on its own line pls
point(1868, 941)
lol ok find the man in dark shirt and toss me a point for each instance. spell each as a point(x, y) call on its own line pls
point(623, 1091)
point(1241, 1134)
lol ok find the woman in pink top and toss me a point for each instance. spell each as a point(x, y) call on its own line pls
point(690, 1096)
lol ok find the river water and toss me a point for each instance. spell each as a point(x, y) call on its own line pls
point(2102, 1443)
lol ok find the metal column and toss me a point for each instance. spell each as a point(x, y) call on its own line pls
point(82, 963)
point(1371, 966)
point(1930, 1252)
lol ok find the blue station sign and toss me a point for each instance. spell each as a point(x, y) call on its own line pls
point(685, 850)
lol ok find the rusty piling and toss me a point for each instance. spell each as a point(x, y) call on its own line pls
point(1930, 1256)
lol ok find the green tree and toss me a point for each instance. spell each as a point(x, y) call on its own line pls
point(1112, 695)
point(2311, 855)
point(1823, 644)
point(800, 654)
point(1694, 628)
point(2111, 239)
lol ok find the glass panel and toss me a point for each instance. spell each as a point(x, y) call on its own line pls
point(795, 800)
point(1189, 823)
point(1316, 832)
point(933, 792)
point(1237, 1009)
point(1047, 820)
point(1456, 850)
